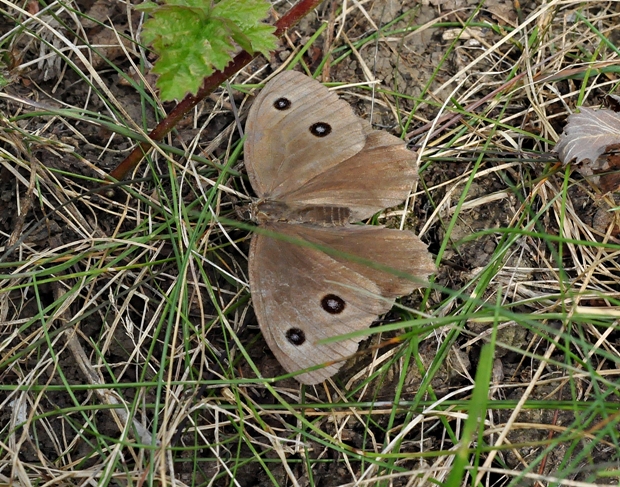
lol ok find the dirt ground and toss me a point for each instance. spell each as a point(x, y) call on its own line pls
point(77, 153)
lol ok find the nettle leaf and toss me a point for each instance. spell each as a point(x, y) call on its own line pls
point(195, 37)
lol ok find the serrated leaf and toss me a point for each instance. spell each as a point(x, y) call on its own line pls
point(236, 33)
point(196, 37)
point(261, 38)
point(245, 13)
point(588, 134)
point(147, 7)
point(248, 15)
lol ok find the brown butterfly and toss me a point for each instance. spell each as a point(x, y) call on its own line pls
point(317, 168)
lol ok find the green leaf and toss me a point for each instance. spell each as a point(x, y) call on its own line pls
point(195, 37)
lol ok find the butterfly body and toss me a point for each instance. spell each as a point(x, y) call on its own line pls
point(317, 168)
point(264, 211)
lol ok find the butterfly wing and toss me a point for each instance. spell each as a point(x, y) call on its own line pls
point(281, 151)
point(379, 176)
point(352, 166)
point(302, 295)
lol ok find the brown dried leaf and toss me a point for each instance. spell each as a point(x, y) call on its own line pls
point(610, 177)
point(612, 102)
point(502, 10)
point(588, 135)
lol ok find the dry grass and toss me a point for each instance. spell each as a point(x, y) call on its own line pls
point(128, 351)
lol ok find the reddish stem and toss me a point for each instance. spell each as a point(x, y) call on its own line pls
point(288, 20)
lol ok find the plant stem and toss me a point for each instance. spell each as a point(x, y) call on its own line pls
point(288, 20)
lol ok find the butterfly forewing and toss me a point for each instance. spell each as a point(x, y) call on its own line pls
point(297, 129)
point(292, 287)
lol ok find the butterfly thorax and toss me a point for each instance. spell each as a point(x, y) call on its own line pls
point(264, 211)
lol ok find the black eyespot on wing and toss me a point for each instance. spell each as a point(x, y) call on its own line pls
point(282, 104)
point(333, 304)
point(296, 336)
point(320, 129)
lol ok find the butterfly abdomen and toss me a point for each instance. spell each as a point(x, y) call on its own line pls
point(328, 216)
point(321, 215)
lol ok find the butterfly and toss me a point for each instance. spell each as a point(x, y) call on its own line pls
point(316, 169)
